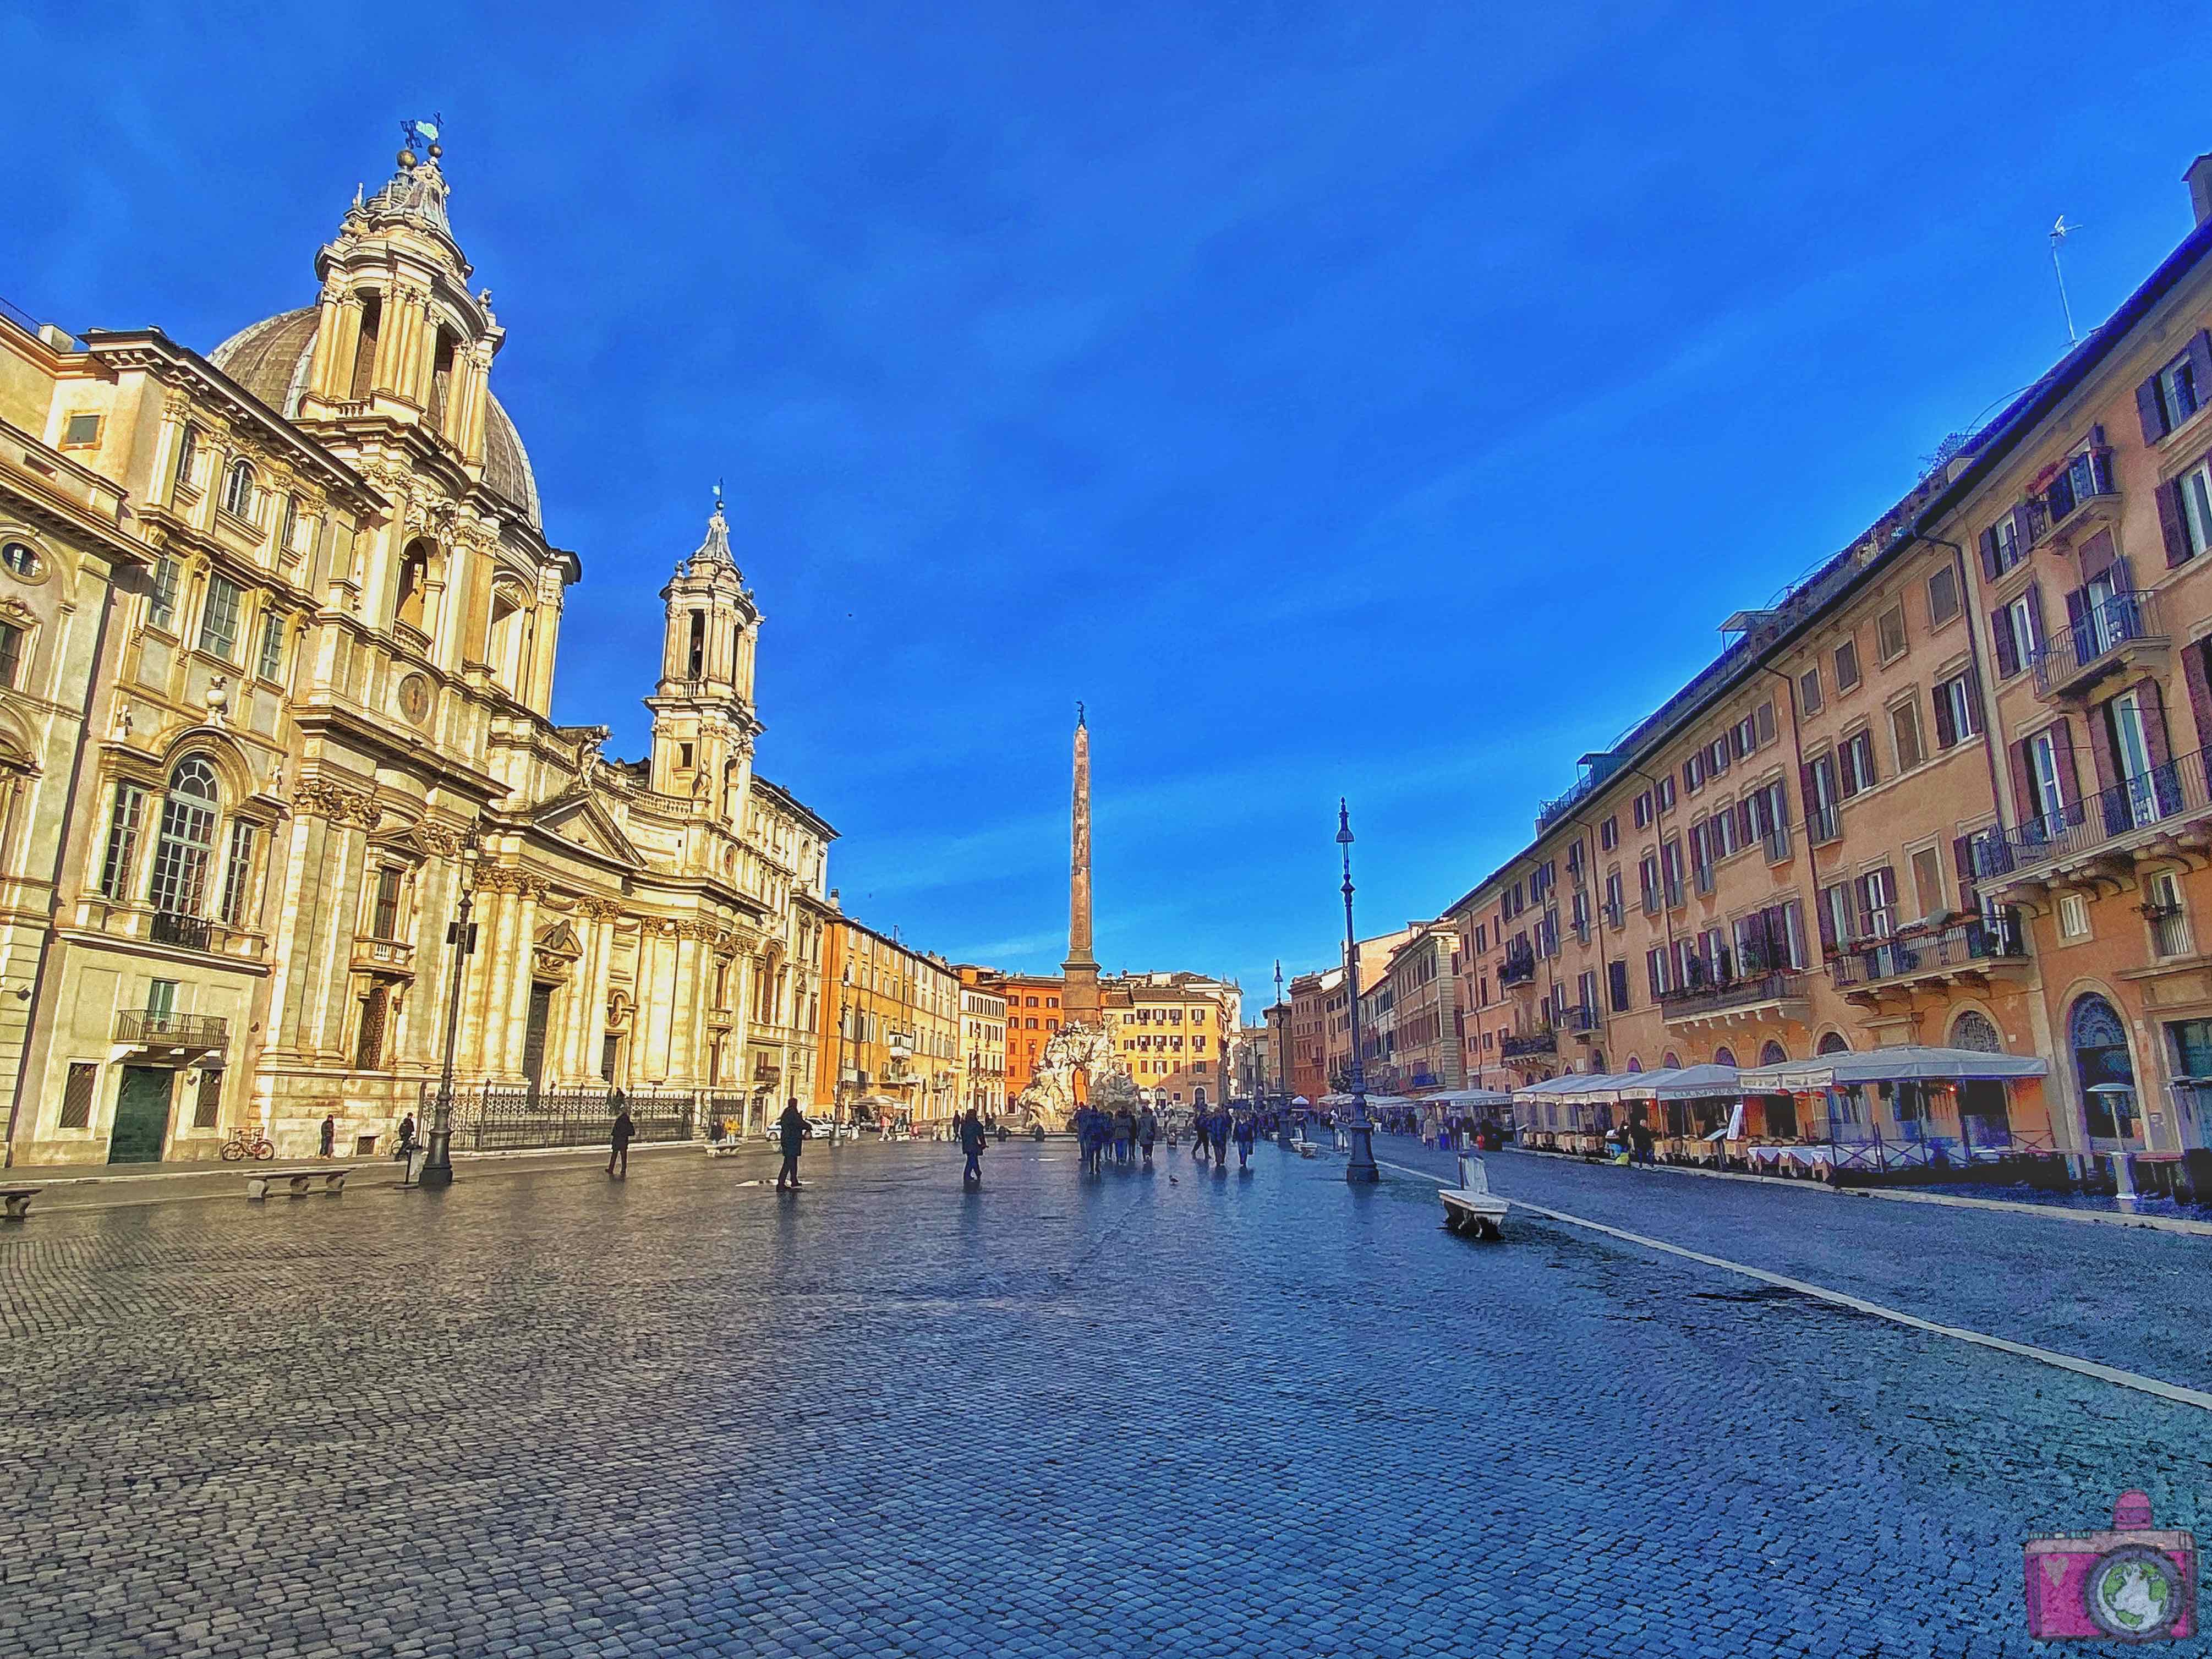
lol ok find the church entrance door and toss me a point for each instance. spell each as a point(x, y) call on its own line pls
point(534, 1035)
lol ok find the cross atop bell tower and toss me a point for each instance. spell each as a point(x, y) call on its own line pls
point(703, 723)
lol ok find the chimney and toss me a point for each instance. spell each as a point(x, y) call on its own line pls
point(2198, 178)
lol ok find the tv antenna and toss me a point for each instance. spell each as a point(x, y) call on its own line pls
point(2059, 232)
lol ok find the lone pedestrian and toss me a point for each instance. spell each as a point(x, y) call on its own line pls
point(407, 1136)
point(792, 1130)
point(1246, 1129)
point(972, 1142)
point(619, 1143)
point(329, 1133)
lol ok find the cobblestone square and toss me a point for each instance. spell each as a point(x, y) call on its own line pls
point(1158, 1413)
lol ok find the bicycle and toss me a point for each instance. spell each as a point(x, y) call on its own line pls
point(242, 1146)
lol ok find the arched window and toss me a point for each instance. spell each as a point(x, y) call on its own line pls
point(1723, 1056)
point(238, 490)
point(414, 574)
point(1670, 1062)
point(187, 839)
point(1835, 1043)
point(1773, 1055)
point(1973, 1030)
point(1634, 1064)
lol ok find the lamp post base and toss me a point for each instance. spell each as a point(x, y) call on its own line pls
point(438, 1162)
point(1360, 1169)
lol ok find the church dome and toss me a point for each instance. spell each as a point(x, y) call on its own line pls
point(270, 359)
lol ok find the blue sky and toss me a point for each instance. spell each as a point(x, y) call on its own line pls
point(1386, 400)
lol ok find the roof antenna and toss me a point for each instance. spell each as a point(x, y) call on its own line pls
point(2059, 233)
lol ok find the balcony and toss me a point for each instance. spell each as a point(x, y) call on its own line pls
point(191, 932)
point(1517, 970)
point(2167, 803)
point(383, 956)
point(1973, 952)
point(2124, 630)
point(2081, 499)
point(1543, 1041)
point(1823, 824)
point(1582, 1023)
point(1744, 1000)
point(145, 1029)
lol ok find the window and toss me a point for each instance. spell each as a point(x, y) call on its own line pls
point(1847, 666)
point(11, 653)
point(207, 1102)
point(122, 840)
point(1643, 810)
point(76, 1097)
point(414, 576)
point(238, 490)
point(2072, 915)
point(1608, 834)
point(19, 557)
point(2190, 530)
point(1693, 772)
point(1855, 763)
point(1655, 970)
point(2004, 544)
point(1957, 710)
point(81, 432)
point(291, 525)
point(1889, 634)
point(683, 755)
point(1616, 975)
point(1667, 794)
point(1808, 689)
point(161, 596)
point(1942, 597)
point(186, 841)
point(2088, 472)
point(1878, 902)
point(238, 877)
point(162, 998)
point(2172, 395)
point(1904, 728)
point(384, 916)
point(271, 663)
point(2018, 629)
point(368, 1043)
point(1928, 882)
point(1839, 914)
point(219, 618)
point(1647, 875)
point(188, 454)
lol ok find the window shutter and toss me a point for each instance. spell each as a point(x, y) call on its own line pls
point(2100, 745)
point(1947, 729)
point(2023, 524)
point(1962, 861)
point(2152, 696)
point(2035, 620)
point(2150, 408)
point(1743, 823)
point(2200, 365)
point(1989, 571)
point(2077, 620)
point(2027, 803)
point(2007, 650)
point(2200, 692)
point(1825, 911)
point(1808, 793)
point(2170, 525)
point(1764, 723)
point(2070, 774)
point(2124, 572)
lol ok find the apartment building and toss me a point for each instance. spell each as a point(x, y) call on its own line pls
point(894, 1041)
point(1411, 1020)
point(1951, 790)
point(1307, 1065)
point(983, 1049)
point(1172, 1032)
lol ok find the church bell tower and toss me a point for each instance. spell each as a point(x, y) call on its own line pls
point(703, 723)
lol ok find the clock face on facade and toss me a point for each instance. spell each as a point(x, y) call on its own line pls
point(414, 699)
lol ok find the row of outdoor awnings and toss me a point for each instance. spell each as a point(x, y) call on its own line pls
point(1908, 1062)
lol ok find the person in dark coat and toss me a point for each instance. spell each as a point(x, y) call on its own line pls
point(972, 1142)
point(792, 1130)
point(623, 1131)
point(407, 1136)
point(1125, 1131)
point(1148, 1131)
point(1246, 1129)
point(330, 1134)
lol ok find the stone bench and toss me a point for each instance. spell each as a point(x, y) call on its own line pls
point(18, 1201)
point(299, 1181)
point(1469, 1209)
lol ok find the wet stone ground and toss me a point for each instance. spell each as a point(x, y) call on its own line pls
point(1149, 1414)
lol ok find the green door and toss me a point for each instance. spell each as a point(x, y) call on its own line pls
point(141, 1115)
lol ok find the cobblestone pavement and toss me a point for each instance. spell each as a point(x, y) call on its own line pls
point(1176, 1414)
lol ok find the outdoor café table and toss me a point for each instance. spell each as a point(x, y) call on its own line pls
point(1810, 1157)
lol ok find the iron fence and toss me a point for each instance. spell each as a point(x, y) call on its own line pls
point(1995, 936)
point(492, 1118)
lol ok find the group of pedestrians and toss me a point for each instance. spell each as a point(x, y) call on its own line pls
point(1125, 1131)
point(1211, 1131)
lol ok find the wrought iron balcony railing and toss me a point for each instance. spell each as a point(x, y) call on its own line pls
point(1712, 997)
point(1994, 937)
point(159, 1030)
point(2125, 618)
point(1518, 969)
point(192, 933)
point(1543, 1041)
point(2164, 794)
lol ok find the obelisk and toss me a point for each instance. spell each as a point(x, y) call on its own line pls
point(1078, 996)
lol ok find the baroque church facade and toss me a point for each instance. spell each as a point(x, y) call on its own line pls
point(277, 632)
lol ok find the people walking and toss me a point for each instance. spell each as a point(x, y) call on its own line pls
point(623, 1130)
point(330, 1134)
point(972, 1142)
point(1148, 1131)
point(792, 1131)
point(1125, 1133)
point(407, 1137)
point(1246, 1130)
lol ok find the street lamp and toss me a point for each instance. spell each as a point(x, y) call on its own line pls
point(461, 935)
point(844, 1018)
point(1362, 1167)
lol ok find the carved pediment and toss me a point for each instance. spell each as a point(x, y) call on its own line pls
point(581, 820)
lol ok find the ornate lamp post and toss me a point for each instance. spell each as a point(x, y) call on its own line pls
point(1362, 1166)
point(844, 1018)
point(461, 934)
point(1283, 1076)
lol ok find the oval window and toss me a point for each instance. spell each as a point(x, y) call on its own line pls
point(21, 557)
